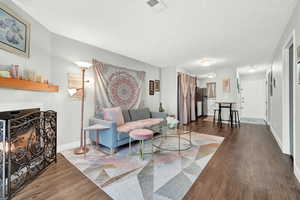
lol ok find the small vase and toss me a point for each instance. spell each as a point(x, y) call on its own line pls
point(161, 109)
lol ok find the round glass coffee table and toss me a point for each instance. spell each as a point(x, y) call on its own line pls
point(172, 139)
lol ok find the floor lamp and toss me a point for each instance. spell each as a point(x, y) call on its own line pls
point(82, 149)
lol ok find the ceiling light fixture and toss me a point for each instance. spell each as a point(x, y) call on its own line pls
point(251, 70)
point(206, 62)
point(210, 76)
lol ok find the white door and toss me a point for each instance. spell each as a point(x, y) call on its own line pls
point(253, 93)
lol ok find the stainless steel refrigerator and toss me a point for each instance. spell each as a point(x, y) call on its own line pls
point(201, 94)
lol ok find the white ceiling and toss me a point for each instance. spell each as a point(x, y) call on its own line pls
point(234, 32)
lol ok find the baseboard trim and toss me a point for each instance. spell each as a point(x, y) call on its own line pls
point(297, 171)
point(276, 138)
point(71, 145)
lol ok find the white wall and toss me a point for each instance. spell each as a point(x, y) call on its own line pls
point(275, 114)
point(64, 53)
point(169, 89)
point(53, 57)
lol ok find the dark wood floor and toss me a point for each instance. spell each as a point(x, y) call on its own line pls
point(248, 165)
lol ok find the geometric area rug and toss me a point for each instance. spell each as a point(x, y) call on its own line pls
point(163, 175)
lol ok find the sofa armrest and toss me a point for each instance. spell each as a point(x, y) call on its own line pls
point(109, 124)
point(108, 136)
point(159, 115)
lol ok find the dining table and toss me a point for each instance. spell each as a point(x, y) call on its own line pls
point(225, 105)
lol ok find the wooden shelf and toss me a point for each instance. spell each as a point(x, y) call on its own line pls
point(26, 85)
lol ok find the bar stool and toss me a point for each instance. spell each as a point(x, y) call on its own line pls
point(236, 116)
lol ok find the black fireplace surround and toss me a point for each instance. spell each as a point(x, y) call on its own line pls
point(27, 147)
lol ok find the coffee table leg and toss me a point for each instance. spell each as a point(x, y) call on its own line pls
point(130, 145)
point(84, 142)
point(179, 143)
point(97, 141)
point(152, 146)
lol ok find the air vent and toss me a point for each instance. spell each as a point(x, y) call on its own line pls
point(156, 5)
point(152, 3)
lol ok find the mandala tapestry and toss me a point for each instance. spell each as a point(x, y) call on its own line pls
point(116, 86)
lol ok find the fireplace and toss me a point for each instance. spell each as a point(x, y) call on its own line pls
point(27, 147)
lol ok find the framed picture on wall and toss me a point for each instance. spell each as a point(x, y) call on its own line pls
point(14, 32)
point(226, 85)
point(151, 87)
point(157, 85)
point(75, 86)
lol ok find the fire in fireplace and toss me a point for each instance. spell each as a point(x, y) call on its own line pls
point(27, 147)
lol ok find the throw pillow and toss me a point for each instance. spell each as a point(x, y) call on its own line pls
point(113, 114)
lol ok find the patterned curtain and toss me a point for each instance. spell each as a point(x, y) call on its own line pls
point(116, 86)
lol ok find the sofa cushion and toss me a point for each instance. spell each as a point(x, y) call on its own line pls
point(129, 126)
point(144, 123)
point(150, 122)
point(126, 116)
point(113, 114)
point(139, 114)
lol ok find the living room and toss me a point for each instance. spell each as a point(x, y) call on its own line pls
point(97, 103)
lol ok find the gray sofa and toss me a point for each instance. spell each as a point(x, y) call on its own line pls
point(116, 136)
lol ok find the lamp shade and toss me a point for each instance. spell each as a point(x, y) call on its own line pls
point(83, 64)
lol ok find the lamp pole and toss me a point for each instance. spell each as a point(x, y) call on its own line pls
point(82, 149)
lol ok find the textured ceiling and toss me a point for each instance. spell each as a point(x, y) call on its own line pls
point(234, 32)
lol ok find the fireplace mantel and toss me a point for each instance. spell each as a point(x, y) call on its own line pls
point(9, 106)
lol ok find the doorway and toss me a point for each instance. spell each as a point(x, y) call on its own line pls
point(291, 94)
point(288, 118)
point(253, 94)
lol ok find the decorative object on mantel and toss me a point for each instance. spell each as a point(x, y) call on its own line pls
point(75, 86)
point(14, 71)
point(157, 85)
point(161, 109)
point(5, 74)
point(82, 149)
point(117, 86)
point(14, 32)
point(27, 147)
point(151, 87)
